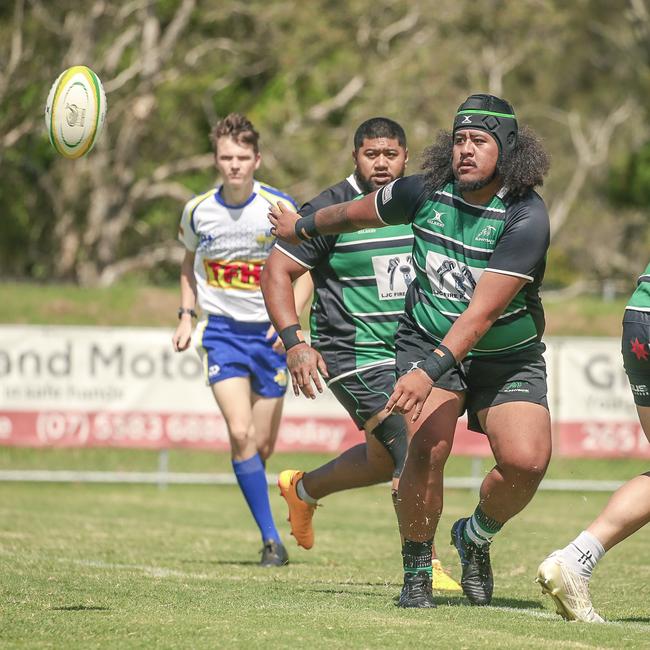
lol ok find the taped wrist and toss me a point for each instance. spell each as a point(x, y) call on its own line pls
point(289, 336)
point(392, 435)
point(305, 227)
point(438, 363)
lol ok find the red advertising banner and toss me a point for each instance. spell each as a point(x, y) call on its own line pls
point(185, 430)
point(602, 440)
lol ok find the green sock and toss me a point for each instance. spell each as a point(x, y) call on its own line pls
point(416, 556)
point(480, 529)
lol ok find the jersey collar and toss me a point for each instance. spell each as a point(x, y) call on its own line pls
point(219, 198)
point(352, 179)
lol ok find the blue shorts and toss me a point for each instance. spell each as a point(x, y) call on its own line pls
point(232, 349)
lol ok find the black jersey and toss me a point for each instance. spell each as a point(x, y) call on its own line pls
point(360, 282)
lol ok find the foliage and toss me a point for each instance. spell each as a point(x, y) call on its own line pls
point(307, 74)
point(629, 182)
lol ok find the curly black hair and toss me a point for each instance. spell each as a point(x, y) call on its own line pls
point(521, 171)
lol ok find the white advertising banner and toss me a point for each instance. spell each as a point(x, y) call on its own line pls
point(592, 405)
point(70, 386)
point(76, 386)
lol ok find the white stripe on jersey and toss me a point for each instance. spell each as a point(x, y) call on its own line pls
point(357, 242)
point(472, 205)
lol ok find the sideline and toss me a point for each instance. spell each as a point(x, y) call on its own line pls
point(548, 615)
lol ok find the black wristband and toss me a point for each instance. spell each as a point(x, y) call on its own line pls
point(185, 310)
point(289, 336)
point(438, 363)
point(305, 227)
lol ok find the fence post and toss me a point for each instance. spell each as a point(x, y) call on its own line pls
point(163, 468)
point(477, 469)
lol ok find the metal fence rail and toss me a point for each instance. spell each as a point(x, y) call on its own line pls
point(163, 479)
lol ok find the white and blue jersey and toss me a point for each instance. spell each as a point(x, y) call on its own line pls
point(231, 244)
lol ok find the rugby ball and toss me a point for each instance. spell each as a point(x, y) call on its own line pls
point(75, 111)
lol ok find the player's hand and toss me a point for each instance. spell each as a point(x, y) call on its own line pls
point(304, 364)
point(283, 222)
point(278, 345)
point(183, 335)
point(410, 393)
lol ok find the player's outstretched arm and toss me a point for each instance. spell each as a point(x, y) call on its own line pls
point(342, 217)
point(492, 295)
point(303, 362)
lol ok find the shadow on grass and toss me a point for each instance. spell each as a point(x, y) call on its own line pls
point(347, 592)
point(449, 600)
point(458, 600)
point(234, 563)
point(518, 604)
point(361, 583)
point(630, 619)
point(80, 608)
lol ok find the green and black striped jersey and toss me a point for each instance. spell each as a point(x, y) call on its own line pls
point(640, 300)
point(360, 283)
point(456, 242)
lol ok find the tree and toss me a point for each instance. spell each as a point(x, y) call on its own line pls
point(307, 74)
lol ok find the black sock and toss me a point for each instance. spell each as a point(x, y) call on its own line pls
point(416, 556)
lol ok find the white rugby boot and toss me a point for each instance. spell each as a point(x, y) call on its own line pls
point(568, 589)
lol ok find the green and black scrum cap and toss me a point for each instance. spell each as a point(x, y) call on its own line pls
point(491, 114)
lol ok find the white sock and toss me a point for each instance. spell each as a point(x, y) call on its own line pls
point(583, 553)
point(303, 494)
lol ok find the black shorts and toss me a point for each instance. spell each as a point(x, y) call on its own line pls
point(365, 393)
point(486, 381)
point(635, 348)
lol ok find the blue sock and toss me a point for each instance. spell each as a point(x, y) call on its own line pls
point(252, 482)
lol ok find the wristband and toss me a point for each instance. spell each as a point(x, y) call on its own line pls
point(438, 363)
point(289, 336)
point(305, 227)
point(185, 310)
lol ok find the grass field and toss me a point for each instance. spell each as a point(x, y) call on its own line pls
point(90, 566)
point(129, 566)
point(134, 304)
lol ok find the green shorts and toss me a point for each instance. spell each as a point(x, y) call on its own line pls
point(365, 393)
point(486, 380)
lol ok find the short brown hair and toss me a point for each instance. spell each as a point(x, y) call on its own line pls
point(239, 128)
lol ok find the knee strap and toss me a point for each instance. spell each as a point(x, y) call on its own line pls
point(392, 435)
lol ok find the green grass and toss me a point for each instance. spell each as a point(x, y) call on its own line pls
point(584, 316)
point(124, 304)
point(132, 303)
point(110, 566)
point(183, 460)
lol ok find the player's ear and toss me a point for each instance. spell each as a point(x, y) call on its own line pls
point(406, 156)
point(354, 156)
point(258, 160)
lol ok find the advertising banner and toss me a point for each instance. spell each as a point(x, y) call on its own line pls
point(126, 387)
point(594, 412)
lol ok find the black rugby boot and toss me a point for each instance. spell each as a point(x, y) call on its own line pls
point(274, 554)
point(416, 591)
point(477, 581)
